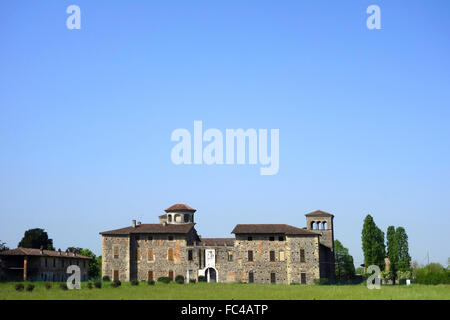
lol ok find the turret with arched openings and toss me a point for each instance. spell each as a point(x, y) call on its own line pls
point(178, 214)
point(322, 223)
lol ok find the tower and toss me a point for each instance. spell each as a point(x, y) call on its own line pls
point(178, 214)
point(322, 223)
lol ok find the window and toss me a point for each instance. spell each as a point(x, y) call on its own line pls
point(250, 277)
point(186, 218)
point(272, 255)
point(250, 255)
point(303, 278)
point(170, 238)
point(273, 278)
point(170, 255)
point(302, 255)
point(116, 252)
point(150, 255)
point(281, 238)
point(271, 238)
point(171, 275)
point(138, 254)
point(281, 255)
point(150, 275)
point(190, 256)
point(230, 255)
point(250, 238)
point(150, 238)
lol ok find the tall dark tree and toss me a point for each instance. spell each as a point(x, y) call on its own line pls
point(36, 238)
point(392, 251)
point(345, 269)
point(74, 249)
point(373, 243)
point(3, 246)
point(402, 248)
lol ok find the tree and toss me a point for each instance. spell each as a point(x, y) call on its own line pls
point(373, 243)
point(36, 238)
point(402, 248)
point(3, 246)
point(94, 265)
point(345, 269)
point(74, 249)
point(392, 252)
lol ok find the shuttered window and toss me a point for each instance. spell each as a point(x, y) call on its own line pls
point(250, 255)
point(116, 252)
point(170, 255)
point(150, 255)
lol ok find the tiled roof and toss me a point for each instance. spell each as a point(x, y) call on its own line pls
point(213, 242)
point(270, 228)
point(180, 207)
point(37, 252)
point(152, 228)
point(319, 213)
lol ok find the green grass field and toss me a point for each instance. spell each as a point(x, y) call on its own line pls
point(235, 291)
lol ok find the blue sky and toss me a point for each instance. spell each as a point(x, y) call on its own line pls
point(86, 116)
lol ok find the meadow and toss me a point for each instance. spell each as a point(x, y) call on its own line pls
point(221, 291)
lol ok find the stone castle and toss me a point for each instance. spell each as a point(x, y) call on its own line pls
point(259, 253)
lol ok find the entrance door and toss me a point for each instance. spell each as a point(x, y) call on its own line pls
point(171, 275)
point(211, 275)
point(150, 276)
point(116, 275)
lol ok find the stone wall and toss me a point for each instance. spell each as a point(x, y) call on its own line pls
point(122, 262)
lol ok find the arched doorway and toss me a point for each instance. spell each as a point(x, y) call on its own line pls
point(211, 275)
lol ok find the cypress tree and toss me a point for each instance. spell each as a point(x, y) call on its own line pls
point(373, 243)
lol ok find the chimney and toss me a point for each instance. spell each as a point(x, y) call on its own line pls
point(67, 252)
point(133, 223)
point(59, 251)
point(41, 250)
point(139, 223)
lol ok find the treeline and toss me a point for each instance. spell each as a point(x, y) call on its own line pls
point(433, 273)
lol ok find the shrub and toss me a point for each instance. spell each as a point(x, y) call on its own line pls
point(30, 287)
point(164, 279)
point(134, 282)
point(63, 286)
point(48, 285)
point(98, 284)
point(179, 279)
point(106, 279)
point(151, 282)
point(192, 281)
point(19, 286)
point(201, 279)
point(321, 281)
point(90, 285)
point(432, 274)
point(116, 283)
